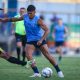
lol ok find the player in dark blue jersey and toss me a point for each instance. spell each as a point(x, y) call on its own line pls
point(35, 38)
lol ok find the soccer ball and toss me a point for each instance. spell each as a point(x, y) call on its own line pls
point(47, 72)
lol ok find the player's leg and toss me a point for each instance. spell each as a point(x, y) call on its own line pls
point(45, 51)
point(59, 46)
point(11, 59)
point(59, 51)
point(24, 44)
point(18, 45)
point(23, 54)
point(29, 51)
point(19, 49)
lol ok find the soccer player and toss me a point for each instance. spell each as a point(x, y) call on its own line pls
point(60, 32)
point(11, 59)
point(20, 34)
point(33, 25)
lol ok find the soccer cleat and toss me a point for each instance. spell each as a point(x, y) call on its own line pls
point(60, 74)
point(36, 75)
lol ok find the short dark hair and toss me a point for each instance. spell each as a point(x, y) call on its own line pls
point(31, 8)
point(59, 18)
point(22, 8)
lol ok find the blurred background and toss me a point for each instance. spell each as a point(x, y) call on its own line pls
point(49, 10)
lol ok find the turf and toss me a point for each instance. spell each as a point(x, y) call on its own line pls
point(69, 65)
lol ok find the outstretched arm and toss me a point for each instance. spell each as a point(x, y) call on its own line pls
point(11, 19)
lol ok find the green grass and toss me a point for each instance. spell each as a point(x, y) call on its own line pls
point(70, 67)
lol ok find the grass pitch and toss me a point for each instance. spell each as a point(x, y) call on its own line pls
point(69, 65)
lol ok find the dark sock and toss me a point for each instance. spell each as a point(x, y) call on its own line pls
point(57, 68)
point(16, 61)
point(18, 53)
point(35, 69)
point(23, 54)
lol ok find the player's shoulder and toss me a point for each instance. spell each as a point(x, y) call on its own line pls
point(37, 17)
point(64, 25)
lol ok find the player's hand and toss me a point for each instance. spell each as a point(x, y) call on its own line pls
point(39, 42)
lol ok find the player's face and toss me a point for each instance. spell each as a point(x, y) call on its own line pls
point(22, 11)
point(60, 22)
point(31, 14)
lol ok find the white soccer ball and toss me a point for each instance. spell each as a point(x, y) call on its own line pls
point(47, 72)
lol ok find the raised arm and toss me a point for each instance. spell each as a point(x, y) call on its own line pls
point(11, 19)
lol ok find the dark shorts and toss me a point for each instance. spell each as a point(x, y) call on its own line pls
point(35, 43)
point(60, 43)
point(21, 38)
